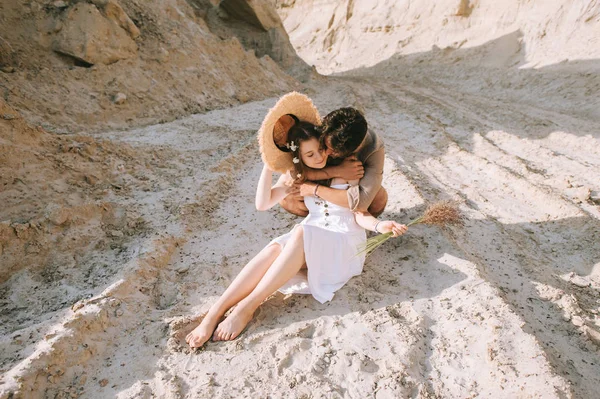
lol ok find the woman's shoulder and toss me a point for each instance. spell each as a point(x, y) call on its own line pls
point(285, 178)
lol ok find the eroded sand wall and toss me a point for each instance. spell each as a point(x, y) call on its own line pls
point(97, 65)
point(338, 36)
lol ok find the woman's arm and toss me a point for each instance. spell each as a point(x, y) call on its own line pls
point(333, 195)
point(267, 196)
point(369, 222)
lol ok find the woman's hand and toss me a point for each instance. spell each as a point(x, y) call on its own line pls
point(307, 189)
point(293, 189)
point(389, 226)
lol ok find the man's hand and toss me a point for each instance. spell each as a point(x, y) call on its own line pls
point(307, 189)
point(294, 204)
point(350, 169)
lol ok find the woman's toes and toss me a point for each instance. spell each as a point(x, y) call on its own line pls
point(222, 333)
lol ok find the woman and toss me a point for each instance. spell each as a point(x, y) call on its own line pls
point(325, 244)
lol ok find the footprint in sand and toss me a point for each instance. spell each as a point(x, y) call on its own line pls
point(179, 327)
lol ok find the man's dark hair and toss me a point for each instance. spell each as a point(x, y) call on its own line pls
point(345, 128)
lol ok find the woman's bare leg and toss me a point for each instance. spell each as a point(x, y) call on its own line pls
point(241, 286)
point(284, 268)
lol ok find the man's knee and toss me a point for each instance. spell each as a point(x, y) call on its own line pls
point(379, 202)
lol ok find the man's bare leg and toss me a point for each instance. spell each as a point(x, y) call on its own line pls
point(294, 204)
point(284, 268)
point(241, 286)
point(379, 202)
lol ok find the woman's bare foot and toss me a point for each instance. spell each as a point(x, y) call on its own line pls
point(234, 324)
point(203, 332)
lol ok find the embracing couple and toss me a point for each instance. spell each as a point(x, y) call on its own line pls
point(331, 172)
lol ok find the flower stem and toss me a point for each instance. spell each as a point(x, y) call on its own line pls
point(416, 221)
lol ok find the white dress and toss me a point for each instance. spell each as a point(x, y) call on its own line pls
point(331, 242)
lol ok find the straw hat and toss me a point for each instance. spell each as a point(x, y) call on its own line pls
point(272, 135)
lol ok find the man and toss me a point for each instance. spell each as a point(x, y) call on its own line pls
point(356, 153)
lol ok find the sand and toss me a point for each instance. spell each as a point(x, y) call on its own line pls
point(505, 306)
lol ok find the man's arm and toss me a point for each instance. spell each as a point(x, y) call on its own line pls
point(349, 169)
point(361, 196)
point(352, 169)
point(319, 174)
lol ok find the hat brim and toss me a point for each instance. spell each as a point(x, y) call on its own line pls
point(294, 103)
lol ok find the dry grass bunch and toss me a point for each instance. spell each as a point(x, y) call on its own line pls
point(442, 213)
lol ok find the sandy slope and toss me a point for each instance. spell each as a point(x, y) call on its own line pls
point(502, 308)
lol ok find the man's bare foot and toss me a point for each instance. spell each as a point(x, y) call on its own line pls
point(233, 325)
point(203, 332)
